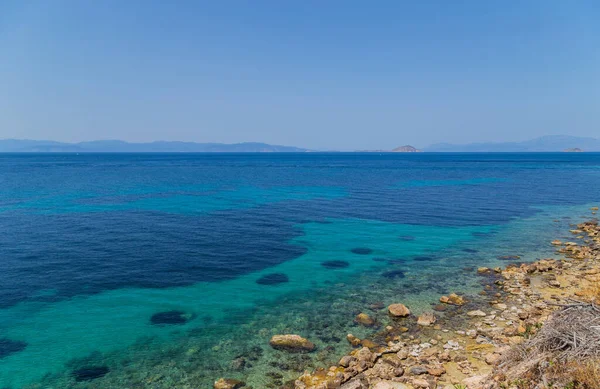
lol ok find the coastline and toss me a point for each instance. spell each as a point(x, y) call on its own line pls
point(464, 343)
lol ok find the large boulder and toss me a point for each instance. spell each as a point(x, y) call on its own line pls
point(291, 343)
point(398, 310)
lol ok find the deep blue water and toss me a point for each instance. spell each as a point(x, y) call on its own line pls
point(94, 224)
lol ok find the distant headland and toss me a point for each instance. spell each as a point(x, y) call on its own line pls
point(551, 143)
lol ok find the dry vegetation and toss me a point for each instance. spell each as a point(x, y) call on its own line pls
point(565, 353)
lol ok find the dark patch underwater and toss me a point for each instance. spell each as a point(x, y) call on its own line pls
point(273, 279)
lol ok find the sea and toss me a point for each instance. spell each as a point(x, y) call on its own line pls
point(173, 270)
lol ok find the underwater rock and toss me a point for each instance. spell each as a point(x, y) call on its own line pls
point(364, 319)
point(394, 274)
point(90, 373)
point(9, 346)
point(509, 257)
point(426, 319)
point(452, 299)
point(423, 259)
point(291, 343)
point(353, 340)
point(362, 250)
point(273, 279)
point(169, 318)
point(398, 310)
point(228, 383)
point(335, 264)
point(406, 238)
point(477, 313)
point(470, 251)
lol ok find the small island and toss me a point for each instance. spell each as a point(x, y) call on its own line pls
point(406, 149)
point(573, 150)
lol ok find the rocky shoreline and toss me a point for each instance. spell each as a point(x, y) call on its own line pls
point(462, 344)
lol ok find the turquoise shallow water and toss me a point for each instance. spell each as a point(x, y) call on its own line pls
point(88, 260)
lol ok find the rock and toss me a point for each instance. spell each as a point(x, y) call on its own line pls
point(417, 370)
point(556, 242)
point(492, 358)
point(419, 383)
point(476, 313)
point(291, 343)
point(453, 299)
point(354, 384)
point(398, 310)
point(436, 371)
point(364, 354)
point(368, 343)
point(228, 383)
point(238, 363)
point(402, 354)
point(364, 319)
point(426, 319)
point(88, 373)
point(390, 385)
point(474, 382)
point(353, 340)
point(347, 360)
point(483, 270)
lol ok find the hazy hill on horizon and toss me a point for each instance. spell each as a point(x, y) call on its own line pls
point(17, 145)
point(547, 143)
point(550, 143)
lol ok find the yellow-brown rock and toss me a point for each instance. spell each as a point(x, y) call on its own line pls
point(364, 319)
point(426, 319)
point(398, 310)
point(291, 343)
point(227, 383)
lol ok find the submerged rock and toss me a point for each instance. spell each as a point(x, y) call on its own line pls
point(291, 343)
point(452, 299)
point(423, 259)
point(90, 373)
point(394, 274)
point(335, 264)
point(364, 319)
point(9, 346)
point(509, 257)
point(477, 313)
point(362, 250)
point(169, 318)
point(273, 279)
point(407, 238)
point(227, 383)
point(398, 310)
point(426, 319)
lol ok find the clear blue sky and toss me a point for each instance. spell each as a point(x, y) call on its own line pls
point(320, 74)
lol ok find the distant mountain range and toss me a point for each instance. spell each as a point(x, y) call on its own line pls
point(543, 144)
point(551, 143)
point(117, 146)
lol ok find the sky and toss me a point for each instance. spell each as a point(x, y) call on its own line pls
point(319, 74)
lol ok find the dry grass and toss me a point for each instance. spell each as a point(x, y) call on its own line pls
point(564, 353)
point(585, 375)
